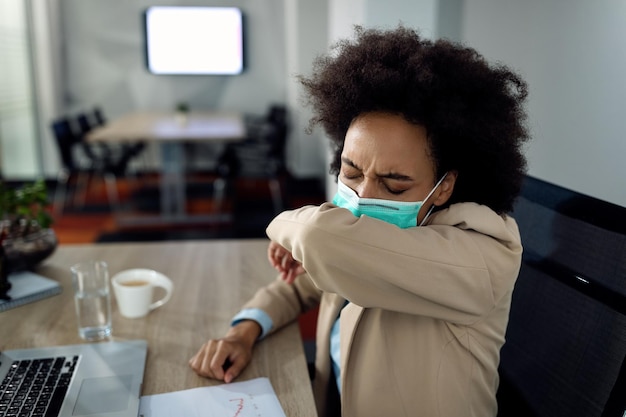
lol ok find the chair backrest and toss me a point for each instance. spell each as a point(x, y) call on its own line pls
point(65, 139)
point(566, 339)
point(83, 123)
point(277, 134)
point(277, 114)
point(98, 116)
point(83, 126)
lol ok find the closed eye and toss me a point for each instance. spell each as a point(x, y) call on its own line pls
point(404, 181)
point(352, 176)
point(394, 192)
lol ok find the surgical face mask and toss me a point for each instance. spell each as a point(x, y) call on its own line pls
point(400, 213)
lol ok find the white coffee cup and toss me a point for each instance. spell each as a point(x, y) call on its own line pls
point(134, 289)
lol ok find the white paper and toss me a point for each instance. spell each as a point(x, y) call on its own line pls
point(253, 398)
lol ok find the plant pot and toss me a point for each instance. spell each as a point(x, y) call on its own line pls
point(27, 251)
point(182, 118)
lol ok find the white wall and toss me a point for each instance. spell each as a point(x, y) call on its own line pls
point(46, 52)
point(19, 157)
point(306, 38)
point(572, 53)
point(103, 62)
point(104, 57)
point(419, 14)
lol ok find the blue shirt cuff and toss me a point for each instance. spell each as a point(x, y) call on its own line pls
point(257, 315)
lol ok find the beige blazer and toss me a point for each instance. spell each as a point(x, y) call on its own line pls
point(428, 306)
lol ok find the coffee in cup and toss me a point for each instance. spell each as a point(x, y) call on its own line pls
point(136, 283)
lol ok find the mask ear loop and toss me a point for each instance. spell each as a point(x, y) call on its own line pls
point(430, 210)
point(432, 207)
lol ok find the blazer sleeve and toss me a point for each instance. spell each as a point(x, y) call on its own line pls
point(438, 270)
point(285, 302)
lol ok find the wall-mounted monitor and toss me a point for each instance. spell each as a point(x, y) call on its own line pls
point(194, 40)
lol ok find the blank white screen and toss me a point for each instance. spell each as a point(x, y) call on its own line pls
point(194, 40)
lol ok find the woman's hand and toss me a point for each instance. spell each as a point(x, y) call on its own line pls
point(225, 358)
point(281, 259)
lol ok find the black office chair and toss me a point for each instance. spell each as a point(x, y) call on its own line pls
point(85, 160)
point(114, 155)
point(98, 116)
point(261, 155)
point(565, 344)
point(133, 149)
point(74, 163)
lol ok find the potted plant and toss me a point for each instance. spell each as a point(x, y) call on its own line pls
point(25, 233)
point(182, 113)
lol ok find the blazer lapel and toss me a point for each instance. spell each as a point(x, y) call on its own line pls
point(350, 316)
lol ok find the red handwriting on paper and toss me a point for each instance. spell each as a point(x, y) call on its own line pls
point(240, 403)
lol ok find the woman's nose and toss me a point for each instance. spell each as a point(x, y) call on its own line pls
point(366, 189)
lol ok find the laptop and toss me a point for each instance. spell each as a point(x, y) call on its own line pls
point(90, 379)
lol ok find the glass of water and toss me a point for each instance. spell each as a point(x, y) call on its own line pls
point(92, 299)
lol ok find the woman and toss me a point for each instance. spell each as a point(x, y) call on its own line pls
point(414, 262)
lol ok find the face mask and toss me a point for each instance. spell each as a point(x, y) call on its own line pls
point(400, 213)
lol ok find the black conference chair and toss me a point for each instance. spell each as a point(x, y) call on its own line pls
point(133, 149)
point(76, 165)
point(113, 155)
point(98, 116)
point(83, 161)
point(261, 155)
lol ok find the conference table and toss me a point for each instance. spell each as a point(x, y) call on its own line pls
point(171, 131)
point(211, 279)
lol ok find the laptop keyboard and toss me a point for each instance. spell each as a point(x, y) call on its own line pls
point(36, 388)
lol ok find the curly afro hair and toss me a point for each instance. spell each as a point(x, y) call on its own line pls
point(472, 111)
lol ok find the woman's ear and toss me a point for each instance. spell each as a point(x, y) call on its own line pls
point(446, 188)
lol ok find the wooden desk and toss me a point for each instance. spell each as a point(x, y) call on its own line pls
point(165, 129)
point(212, 279)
